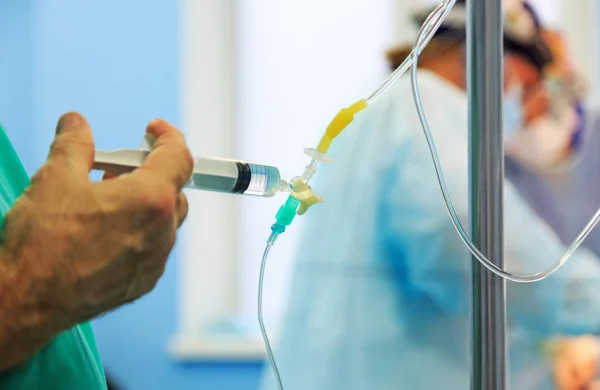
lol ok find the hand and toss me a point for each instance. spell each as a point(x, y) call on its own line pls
point(575, 364)
point(73, 249)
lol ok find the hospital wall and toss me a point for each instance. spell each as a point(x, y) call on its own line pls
point(16, 73)
point(117, 62)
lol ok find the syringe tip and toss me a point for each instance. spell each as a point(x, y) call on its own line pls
point(284, 186)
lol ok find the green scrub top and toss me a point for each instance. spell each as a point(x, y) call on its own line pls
point(70, 361)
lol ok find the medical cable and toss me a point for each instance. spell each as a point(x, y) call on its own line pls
point(452, 212)
point(302, 196)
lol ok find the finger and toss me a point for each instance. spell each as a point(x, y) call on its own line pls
point(181, 208)
point(170, 159)
point(108, 176)
point(73, 145)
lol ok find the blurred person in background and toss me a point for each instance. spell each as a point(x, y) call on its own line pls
point(551, 161)
point(380, 294)
point(544, 161)
point(553, 115)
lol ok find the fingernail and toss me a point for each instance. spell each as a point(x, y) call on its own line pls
point(157, 127)
point(148, 141)
point(157, 122)
point(70, 120)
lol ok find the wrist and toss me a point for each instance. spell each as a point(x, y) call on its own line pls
point(26, 323)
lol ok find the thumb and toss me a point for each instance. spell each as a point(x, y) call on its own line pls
point(73, 145)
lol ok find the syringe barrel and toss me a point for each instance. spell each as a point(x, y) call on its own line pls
point(235, 177)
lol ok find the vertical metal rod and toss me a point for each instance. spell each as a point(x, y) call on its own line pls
point(486, 172)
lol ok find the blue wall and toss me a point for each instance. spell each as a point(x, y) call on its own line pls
point(16, 70)
point(117, 62)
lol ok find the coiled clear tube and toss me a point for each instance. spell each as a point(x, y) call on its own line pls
point(422, 36)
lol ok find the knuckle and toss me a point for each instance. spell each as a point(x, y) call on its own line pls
point(184, 161)
point(183, 200)
point(48, 172)
point(183, 207)
point(148, 201)
point(161, 201)
point(58, 147)
point(73, 138)
point(64, 144)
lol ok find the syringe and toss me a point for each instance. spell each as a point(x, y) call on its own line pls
point(210, 174)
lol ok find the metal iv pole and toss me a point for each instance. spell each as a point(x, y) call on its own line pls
point(486, 173)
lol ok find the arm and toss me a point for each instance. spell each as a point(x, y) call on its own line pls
point(437, 263)
point(25, 326)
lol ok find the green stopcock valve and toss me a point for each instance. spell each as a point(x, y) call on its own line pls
point(286, 214)
point(302, 196)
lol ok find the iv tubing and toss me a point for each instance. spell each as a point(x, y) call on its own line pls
point(430, 26)
point(450, 207)
point(261, 321)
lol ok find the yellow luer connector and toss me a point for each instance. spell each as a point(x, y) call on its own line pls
point(339, 123)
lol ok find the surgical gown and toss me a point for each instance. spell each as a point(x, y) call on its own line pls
point(380, 293)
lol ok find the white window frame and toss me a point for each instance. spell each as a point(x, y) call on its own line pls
point(208, 277)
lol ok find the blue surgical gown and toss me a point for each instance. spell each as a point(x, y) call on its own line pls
point(380, 292)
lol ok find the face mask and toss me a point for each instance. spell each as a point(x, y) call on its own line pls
point(545, 142)
point(513, 117)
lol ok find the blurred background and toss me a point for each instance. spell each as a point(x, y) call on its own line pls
point(249, 79)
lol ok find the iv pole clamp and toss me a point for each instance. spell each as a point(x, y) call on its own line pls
point(486, 174)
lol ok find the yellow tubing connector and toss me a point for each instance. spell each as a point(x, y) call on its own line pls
point(339, 123)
